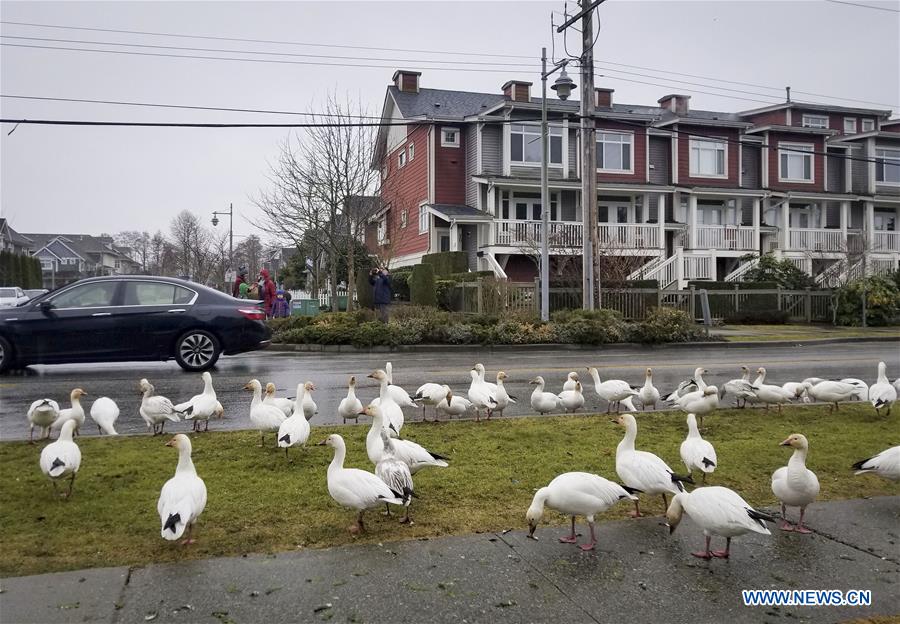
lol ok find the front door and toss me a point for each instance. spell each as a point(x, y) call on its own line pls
point(469, 244)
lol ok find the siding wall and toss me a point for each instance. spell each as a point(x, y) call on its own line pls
point(568, 208)
point(470, 141)
point(750, 162)
point(818, 143)
point(573, 152)
point(639, 147)
point(859, 170)
point(492, 149)
point(776, 117)
point(405, 189)
point(450, 171)
point(660, 155)
point(684, 146)
point(836, 165)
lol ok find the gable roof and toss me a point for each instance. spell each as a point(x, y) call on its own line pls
point(442, 103)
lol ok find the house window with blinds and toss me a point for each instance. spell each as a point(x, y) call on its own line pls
point(615, 152)
point(795, 163)
point(708, 158)
point(525, 144)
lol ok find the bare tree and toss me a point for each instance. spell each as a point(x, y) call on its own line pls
point(191, 244)
point(138, 245)
point(249, 252)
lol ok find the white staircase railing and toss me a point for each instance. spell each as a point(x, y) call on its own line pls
point(645, 269)
point(665, 272)
point(698, 267)
point(738, 274)
point(494, 265)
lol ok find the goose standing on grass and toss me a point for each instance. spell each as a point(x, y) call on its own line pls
point(105, 413)
point(502, 397)
point(392, 413)
point(401, 397)
point(770, 394)
point(156, 410)
point(795, 485)
point(264, 417)
point(882, 393)
point(42, 413)
point(798, 389)
point(75, 412)
point(295, 428)
point(571, 380)
point(718, 511)
point(307, 405)
point(480, 395)
point(697, 453)
point(699, 402)
point(492, 387)
point(285, 405)
point(886, 464)
point(414, 455)
point(183, 497)
point(201, 407)
point(395, 473)
point(429, 394)
point(575, 494)
point(542, 402)
point(641, 471)
point(571, 400)
point(350, 406)
point(862, 388)
point(612, 390)
point(741, 389)
point(831, 392)
point(452, 405)
point(354, 488)
point(62, 458)
point(648, 394)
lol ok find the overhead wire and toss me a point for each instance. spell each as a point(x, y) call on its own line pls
point(863, 6)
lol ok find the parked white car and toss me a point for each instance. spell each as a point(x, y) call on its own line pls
point(34, 293)
point(12, 296)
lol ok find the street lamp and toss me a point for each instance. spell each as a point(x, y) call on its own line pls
point(215, 222)
point(563, 86)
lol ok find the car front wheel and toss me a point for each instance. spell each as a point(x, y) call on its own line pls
point(197, 350)
point(6, 354)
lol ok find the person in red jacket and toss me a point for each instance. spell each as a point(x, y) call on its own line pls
point(267, 292)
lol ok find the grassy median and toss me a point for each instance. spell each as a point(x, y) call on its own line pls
point(258, 502)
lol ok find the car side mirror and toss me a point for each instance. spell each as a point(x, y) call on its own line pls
point(46, 306)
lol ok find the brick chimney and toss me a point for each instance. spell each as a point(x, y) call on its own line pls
point(678, 104)
point(407, 81)
point(603, 98)
point(517, 91)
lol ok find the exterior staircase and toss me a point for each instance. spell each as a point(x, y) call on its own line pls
point(738, 274)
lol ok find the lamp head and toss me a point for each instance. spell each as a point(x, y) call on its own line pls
point(563, 85)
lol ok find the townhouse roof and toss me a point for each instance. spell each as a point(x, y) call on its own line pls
point(791, 130)
point(443, 102)
point(825, 108)
point(458, 212)
point(13, 236)
point(83, 245)
point(849, 138)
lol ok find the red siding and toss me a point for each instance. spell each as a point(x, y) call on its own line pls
point(818, 162)
point(450, 171)
point(775, 117)
point(520, 269)
point(684, 156)
point(640, 153)
point(404, 189)
point(891, 128)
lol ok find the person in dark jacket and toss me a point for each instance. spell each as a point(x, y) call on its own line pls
point(382, 293)
point(267, 292)
point(240, 279)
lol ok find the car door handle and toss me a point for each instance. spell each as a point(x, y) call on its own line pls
point(102, 314)
point(178, 310)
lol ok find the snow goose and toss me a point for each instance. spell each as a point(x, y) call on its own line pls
point(798, 389)
point(414, 455)
point(201, 407)
point(697, 453)
point(480, 395)
point(770, 394)
point(572, 400)
point(718, 511)
point(542, 402)
point(354, 488)
point(641, 471)
point(105, 412)
point(62, 458)
point(648, 394)
point(453, 405)
point(862, 388)
point(285, 405)
point(612, 390)
point(492, 388)
point(571, 380)
point(306, 403)
point(502, 397)
point(699, 402)
point(882, 393)
point(392, 413)
point(795, 485)
point(689, 385)
point(401, 397)
point(886, 464)
point(295, 428)
point(42, 413)
point(831, 392)
point(429, 394)
point(395, 473)
point(350, 406)
point(264, 417)
point(76, 412)
point(741, 389)
point(183, 497)
point(575, 494)
point(156, 410)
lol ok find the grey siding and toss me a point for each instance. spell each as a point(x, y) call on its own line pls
point(471, 164)
point(859, 171)
point(857, 215)
point(881, 189)
point(573, 153)
point(660, 155)
point(555, 173)
point(746, 211)
point(492, 149)
point(567, 211)
point(653, 208)
point(750, 156)
point(832, 213)
point(835, 174)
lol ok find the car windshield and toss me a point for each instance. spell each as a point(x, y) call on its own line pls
point(8, 292)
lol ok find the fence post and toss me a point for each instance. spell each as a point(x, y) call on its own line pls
point(659, 295)
point(692, 306)
point(779, 297)
point(864, 307)
point(737, 299)
point(535, 299)
point(479, 296)
point(808, 301)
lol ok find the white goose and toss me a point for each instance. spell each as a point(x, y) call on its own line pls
point(350, 406)
point(76, 412)
point(795, 485)
point(798, 389)
point(156, 410)
point(492, 388)
point(741, 389)
point(831, 392)
point(575, 494)
point(201, 407)
point(882, 393)
point(62, 458)
point(183, 497)
point(770, 394)
point(862, 388)
point(42, 413)
point(401, 397)
point(305, 401)
point(571, 380)
point(718, 511)
point(612, 390)
point(697, 453)
point(395, 473)
point(542, 402)
point(285, 405)
point(689, 385)
point(392, 413)
point(886, 464)
point(453, 405)
point(295, 428)
point(502, 397)
point(354, 488)
point(480, 395)
point(699, 402)
point(572, 400)
point(642, 471)
point(105, 413)
point(414, 455)
point(264, 417)
point(429, 394)
point(648, 394)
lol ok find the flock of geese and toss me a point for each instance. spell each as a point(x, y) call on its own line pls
point(719, 511)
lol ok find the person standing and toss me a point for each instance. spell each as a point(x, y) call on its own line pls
point(382, 292)
point(267, 291)
point(240, 288)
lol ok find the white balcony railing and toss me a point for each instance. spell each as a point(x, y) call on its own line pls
point(809, 239)
point(735, 237)
point(629, 236)
point(528, 233)
point(886, 241)
point(698, 268)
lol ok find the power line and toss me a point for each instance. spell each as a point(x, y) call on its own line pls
point(863, 6)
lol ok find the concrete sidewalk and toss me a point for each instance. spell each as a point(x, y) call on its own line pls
point(638, 574)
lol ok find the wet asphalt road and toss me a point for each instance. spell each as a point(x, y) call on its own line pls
point(330, 372)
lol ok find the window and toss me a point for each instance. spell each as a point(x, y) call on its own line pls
point(449, 137)
point(445, 242)
point(815, 121)
point(849, 125)
point(412, 151)
point(382, 232)
point(615, 151)
point(868, 125)
point(156, 293)
point(46, 265)
point(525, 144)
point(885, 221)
point(796, 162)
point(96, 295)
point(423, 219)
point(887, 166)
point(404, 217)
point(708, 158)
point(401, 159)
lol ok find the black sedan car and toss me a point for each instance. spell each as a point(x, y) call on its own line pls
point(125, 318)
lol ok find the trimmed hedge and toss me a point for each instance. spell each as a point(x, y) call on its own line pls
point(447, 262)
point(882, 301)
point(421, 285)
point(20, 270)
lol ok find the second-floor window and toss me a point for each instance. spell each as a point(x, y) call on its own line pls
point(795, 162)
point(868, 125)
point(615, 152)
point(449, 137)
point(708, 158)
point(412, 151)
point(525, 144)
point(815, 121)
point(404, 217)
point(849, 125)
point(887, 166)
point(423, 219)
point(401, 159)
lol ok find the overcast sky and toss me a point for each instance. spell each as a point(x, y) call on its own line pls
point(93, 180)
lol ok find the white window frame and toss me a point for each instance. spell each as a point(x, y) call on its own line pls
point(381, 233)
point(807, 121)
point(848, 121)
point(693, 164)
point(630, 136)
point(423, 218)
point(880, 154)
point(534, 130)
point(411, 152)
point(401, 159)
point(792, 151)
point(445, 142)
point(868, 125)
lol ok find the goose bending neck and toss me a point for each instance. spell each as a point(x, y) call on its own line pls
point(540, 498)
point(595, 374)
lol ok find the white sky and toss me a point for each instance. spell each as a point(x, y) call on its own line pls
point(93, 180)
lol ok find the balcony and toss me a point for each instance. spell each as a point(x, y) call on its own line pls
point(629, 236)
point(886, 241)
point(568, 234)
point(810, 239)
point(726, 237)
